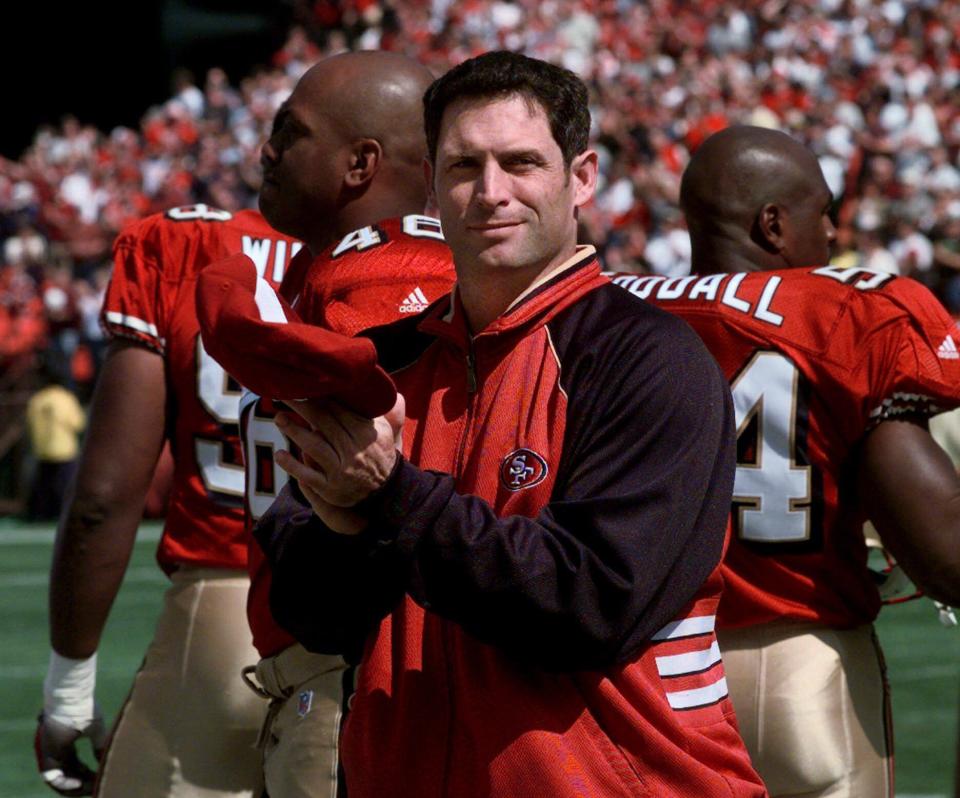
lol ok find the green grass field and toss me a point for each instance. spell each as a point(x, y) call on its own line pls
point(923, 660)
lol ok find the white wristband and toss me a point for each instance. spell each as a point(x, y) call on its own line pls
point(68, 690)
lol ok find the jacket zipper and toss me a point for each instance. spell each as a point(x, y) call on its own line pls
point(471, 393)
point(471, 363)
point(471, 369)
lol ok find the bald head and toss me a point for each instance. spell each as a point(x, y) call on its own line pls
point(373, 94)
point(752, 192)
point(347, 147)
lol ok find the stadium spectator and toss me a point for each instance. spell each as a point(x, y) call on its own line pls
point(26, 245)
point(62, 318)
point(55, 421)
point(22, 324)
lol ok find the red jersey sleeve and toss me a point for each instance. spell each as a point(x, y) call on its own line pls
point(916, 368)
point(138, 300)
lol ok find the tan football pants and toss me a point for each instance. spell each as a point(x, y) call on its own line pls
point(301, 733)
point(189, 726)
point(813, 708)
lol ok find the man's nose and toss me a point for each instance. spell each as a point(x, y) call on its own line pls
point(492, 186)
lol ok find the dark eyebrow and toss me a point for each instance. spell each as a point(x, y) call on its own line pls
point(286, 114)
point(534, 155)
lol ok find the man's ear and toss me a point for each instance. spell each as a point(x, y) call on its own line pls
point(431, 193)
point(770, 227)
point(583, 172)
point(366, 157)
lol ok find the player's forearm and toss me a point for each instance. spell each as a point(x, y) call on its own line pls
point(97, 532)
point(935, 566)
point(912, 494)
point(90, 557)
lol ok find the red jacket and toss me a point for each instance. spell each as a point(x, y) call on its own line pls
point(533, 603)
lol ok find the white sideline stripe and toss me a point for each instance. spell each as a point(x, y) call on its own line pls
point(699, 697)
point(143, 574)
point(700, 625)
point(21, 536)
point(692, 662)
point(133, 323)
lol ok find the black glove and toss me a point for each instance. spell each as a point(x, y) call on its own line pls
point(55, 745)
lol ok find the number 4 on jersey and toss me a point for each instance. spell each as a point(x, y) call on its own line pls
point(772, 494)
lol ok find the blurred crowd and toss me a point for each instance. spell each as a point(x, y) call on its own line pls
point(873, 86)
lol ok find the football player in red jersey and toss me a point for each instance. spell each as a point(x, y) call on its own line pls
point(189, 723)
point(342, 172)
point(834, 373)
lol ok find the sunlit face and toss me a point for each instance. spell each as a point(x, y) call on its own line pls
point(504, 197)
point(301, 166)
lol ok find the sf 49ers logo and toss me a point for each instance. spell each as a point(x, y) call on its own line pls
point(521, 469)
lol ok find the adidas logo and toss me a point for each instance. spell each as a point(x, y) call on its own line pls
point(948, 350)
point(414, 303)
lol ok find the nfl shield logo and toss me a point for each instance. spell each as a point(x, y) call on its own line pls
point(304, 703)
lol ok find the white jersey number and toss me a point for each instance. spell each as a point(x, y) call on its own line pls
point(772, 494)
point(205, 213)
point(261, 440)
point(222, 401)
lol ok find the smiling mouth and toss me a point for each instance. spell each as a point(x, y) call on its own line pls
point(491, 227)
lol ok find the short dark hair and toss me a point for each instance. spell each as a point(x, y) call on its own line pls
point(561, 94)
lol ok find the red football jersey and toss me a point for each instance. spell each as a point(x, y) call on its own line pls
point(371, 277)
point(151, 300)
point(815, 358)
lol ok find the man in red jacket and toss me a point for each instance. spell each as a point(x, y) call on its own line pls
point(529, 579)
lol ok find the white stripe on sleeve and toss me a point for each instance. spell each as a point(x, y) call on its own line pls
point(133, 323)
point(688, 627)
point(700, 697)
point(692, 662)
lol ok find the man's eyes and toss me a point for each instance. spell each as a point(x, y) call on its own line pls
point(516, 163)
